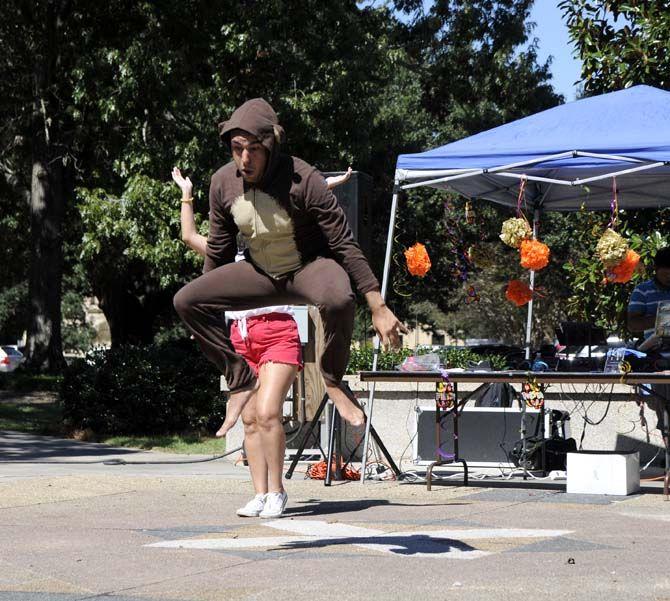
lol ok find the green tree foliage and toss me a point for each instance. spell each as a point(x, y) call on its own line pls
point(78, 335)
point(133, 254)
point(14, 225)
point(472, 75)
point(157, 102)
point(473, 72)
point(129, 89)
point(34, 139)
point(77, 112)
point(592, 298)
point(620, 44)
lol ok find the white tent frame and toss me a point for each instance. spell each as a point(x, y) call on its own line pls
point(432, 178)
point(453, 174)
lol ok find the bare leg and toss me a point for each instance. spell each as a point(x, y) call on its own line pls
point(347, 410)
point(275, 380)
point(254, 448)
point(234, 407)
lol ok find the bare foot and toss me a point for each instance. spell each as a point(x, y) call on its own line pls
point(346, 408)
point(234, 406)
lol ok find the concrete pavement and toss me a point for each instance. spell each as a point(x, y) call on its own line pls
point(72, 529)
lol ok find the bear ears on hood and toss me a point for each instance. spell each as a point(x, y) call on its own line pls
point(257, 117)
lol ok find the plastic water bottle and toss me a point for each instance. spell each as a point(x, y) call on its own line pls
point(538, 364)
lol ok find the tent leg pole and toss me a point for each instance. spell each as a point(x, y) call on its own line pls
point(529, 318)
point(377, 342)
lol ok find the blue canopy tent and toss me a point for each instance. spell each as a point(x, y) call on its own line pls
point(567, 155)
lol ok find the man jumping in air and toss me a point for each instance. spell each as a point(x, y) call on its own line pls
point(299, 248)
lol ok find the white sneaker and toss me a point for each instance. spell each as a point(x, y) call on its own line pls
point(253, 508)
point(275, 503)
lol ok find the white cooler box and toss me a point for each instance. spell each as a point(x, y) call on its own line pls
point(603, 473)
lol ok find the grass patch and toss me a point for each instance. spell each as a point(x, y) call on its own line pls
point(23, 380)
point(43, 417)
point(33, 418)
point(187, 444)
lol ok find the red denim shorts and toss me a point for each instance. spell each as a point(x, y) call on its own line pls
point(272, 337)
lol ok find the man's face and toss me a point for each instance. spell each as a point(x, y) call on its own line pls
point(249, 155)
point(663, 276)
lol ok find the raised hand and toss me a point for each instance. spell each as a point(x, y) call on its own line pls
point(338, 180)
point(184, 183)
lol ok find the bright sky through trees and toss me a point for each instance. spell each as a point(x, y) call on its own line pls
point(552, 33)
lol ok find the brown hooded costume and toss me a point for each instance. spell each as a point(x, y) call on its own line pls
point(300, 250)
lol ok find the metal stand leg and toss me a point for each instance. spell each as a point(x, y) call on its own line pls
point(384, 451)
point(305, 438)
point(666, 436)
point(544, 437)
point(334, 447)
point(442, 460)
point(371, 432)
point(524, 448)
point(334, 451)
point(666, 440)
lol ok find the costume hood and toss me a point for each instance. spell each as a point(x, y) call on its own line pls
point(258, 118)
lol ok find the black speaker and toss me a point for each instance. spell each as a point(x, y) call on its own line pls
point(353, 197)
point(580, 333)
point(486, 435)
point(555, 453)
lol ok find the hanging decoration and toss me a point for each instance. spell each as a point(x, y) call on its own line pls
point(472, 296)
point(620, 261)
point(611, 248)
point(515, 230)
point(453, 232)
point(517, 233)
point(534, 255)
point(624, 270)
point(418, 261)
point(532, 393)
point(444, 395)
point(518, 292)
point(481, 256)
point(469, 213)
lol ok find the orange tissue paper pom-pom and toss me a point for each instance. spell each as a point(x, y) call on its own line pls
point(623, 271)
point(534, 255)
point(418, 261)
point(518, 292)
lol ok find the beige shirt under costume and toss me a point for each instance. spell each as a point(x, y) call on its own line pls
point(286, 223)
point(268, 232)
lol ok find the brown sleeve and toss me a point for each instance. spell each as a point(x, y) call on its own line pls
point(222, 239)
point(322, 205)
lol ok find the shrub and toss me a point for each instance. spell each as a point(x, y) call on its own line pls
point(78, 335)
point(361, 358)
point(27, 380)
point(154, 389)
point(464, 357)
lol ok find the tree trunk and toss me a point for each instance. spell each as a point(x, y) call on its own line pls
point(45, 347)
point(47, 200)
point(130, 322)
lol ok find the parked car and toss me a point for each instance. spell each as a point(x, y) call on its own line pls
point(10, 358)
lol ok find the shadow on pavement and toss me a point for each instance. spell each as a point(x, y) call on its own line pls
point(317, 507)
point(18, 446)
point(400, 545)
